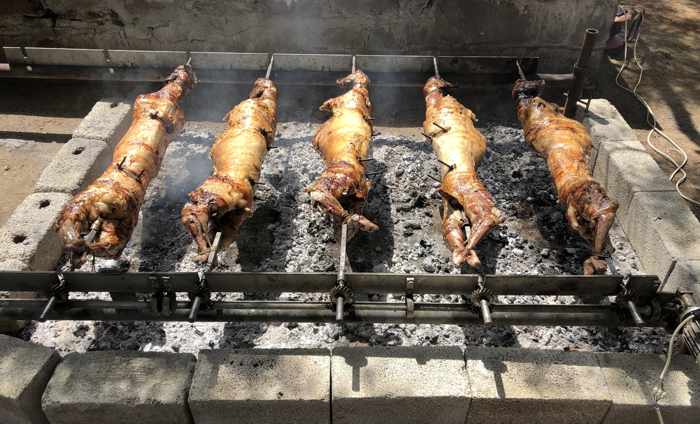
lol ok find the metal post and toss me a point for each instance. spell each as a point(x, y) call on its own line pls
point(580, 69)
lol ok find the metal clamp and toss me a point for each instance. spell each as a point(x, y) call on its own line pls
point(410, 302)
point(480, 299)
point(59, 294)
point(163, 300)
point(343, 295)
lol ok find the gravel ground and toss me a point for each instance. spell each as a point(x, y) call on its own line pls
point(287, 234)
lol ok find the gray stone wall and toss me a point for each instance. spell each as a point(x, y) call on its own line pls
point(551, 29)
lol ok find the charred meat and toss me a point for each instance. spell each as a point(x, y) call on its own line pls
point(344, 142)
point(225, 199)
point(107, 210)
point(459, 147)
point(564, 143)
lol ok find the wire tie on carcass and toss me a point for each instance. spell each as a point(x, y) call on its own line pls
point(449, 167)
point(444, 129)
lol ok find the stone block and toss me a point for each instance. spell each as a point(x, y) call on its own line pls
point(624, 168)
point(535, 386)
point(685, 277)
point(631, 379)
point(76, 165)
point(259, 386)
point(662, 229)
point(28, 235)
point(120, 388)
point(605, 123)
point(25, 369)
point(107, 121)
point(399, 385)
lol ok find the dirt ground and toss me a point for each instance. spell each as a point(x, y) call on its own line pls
point(668, 51)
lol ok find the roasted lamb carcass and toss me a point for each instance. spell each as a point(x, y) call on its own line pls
point(344, 141)
point(107, 210)
point(564, 143)
point(225, 199)
point(459, 146)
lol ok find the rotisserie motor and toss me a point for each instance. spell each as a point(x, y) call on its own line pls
point(107, 210)
point(225, 199)
point(564, 143)
point(459, 146)
point(344, 141)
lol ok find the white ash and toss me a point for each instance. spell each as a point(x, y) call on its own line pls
point(286, 233)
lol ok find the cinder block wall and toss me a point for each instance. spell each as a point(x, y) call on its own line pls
point(551, 29)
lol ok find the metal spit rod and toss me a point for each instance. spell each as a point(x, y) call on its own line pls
point(520, 70)
point(269, 66)
point(340, 300)
point(211, 263)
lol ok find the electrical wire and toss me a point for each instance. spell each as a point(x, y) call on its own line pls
point(659, 388)
point(651, 117)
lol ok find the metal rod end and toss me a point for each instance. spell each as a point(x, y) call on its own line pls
point(486, 312)
point(339, 308)
point(195, 309)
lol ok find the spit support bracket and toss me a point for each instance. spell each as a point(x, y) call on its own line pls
point(341, 293)
point(481, 300)
point(163, 299)
point(58, 293)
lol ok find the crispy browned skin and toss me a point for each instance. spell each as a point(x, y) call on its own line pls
point(343, 141)
point(564, 143)
point(225, 199)
point(116, 196)
point(459, 145)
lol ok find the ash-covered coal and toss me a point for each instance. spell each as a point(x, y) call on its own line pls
point(286, 233)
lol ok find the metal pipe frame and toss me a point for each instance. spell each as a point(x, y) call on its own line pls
point(580, 71)
point(375, 312)
point(162, 287)
point(231, 67)
point(644, 286)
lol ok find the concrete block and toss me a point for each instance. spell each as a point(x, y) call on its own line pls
point(535, 386)
point(259, 386)
point(120, 388)
point(662, 228)
point(624, 167)
point(13, 265)
point(399, 385)
point(28, 235)
point(685, 277)
point(25, 369)
point(12, 327)
point(107, 121)
point(76, 165)
point(631, 379)
point(605, 123)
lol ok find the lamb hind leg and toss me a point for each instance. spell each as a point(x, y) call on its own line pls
point(453, 222)
point(333, 206)
point(195, 217)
